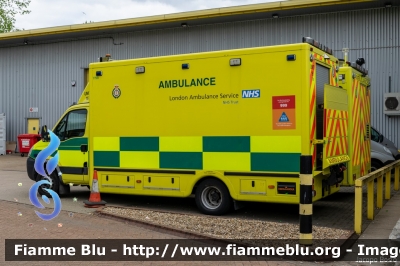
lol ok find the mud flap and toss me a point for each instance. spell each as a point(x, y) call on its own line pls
point(238, 205)
point(63, 189)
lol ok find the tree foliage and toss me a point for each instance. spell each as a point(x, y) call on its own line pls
point(8, 10)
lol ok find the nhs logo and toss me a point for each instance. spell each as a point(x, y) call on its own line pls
point(251, 93)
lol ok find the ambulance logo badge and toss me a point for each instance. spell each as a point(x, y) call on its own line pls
point(116, 92)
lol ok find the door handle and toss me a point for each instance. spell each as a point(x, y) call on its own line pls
point(318, 141)
point(84, 148)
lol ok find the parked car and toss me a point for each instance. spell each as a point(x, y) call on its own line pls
point(380, 156)
point(378, 137)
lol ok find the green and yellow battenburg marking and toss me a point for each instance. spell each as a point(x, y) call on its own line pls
point(228, 153)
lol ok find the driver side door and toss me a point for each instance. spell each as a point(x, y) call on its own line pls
point(73, 149)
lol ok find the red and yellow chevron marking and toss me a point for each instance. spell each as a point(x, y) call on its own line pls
point(341, 144)
point(313, 118)
point(365, 120)
point(368, 118)
point(333, 75)
point(356, 123)
point(335, 132)
point(362, 131)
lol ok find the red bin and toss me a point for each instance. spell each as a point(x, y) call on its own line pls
point(26, 142)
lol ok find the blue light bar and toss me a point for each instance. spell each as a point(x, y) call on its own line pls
point(99, 73)
point(185, 66)
point(314, 43)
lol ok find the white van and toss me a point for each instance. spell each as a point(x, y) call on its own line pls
point(378, 137)
point(380, 156)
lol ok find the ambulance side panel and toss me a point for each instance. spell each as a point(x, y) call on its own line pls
point(193, 116)
point(358, 91)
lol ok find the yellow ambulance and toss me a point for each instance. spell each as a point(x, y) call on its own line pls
point(225, 126)
point(353, 77)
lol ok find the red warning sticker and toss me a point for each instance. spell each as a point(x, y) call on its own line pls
point(284, 112)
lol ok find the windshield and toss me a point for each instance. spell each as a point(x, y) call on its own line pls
point(375, 134)
point(72, 125)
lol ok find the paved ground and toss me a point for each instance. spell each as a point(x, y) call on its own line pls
point(85, 226)
point(78, 222)
point(336, 211)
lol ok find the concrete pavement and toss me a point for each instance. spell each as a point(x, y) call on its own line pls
point(88, 226)
point(386, 225)
point(78, 222)
point(385, 221)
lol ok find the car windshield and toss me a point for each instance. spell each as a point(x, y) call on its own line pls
point(375, 134)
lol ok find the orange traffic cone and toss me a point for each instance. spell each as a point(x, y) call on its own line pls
point(94, 199)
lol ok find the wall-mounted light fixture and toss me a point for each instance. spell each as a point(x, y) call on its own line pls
point(388, 4)
point(184, 25)
point(275, 16)
point(73, 83)
point(25, 42)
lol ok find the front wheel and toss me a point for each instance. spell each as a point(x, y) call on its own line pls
point(375, 165)
point(212, 197)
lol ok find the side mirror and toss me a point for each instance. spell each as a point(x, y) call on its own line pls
point(380, 138)
point(45, 134)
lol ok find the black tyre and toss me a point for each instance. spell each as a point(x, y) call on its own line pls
point(55, 183)
point(212, 197)
point(375, 165)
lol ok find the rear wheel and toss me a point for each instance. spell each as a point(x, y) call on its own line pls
point(55, 183)
point(212, 197)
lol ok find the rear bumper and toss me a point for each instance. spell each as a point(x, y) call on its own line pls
point(30, 168)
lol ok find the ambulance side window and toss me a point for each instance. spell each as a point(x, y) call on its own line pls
point(72, 125)
point(59, 131)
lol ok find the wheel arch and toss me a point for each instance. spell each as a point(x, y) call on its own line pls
point(56, 172)
point(210, 177)
point(376, 162)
